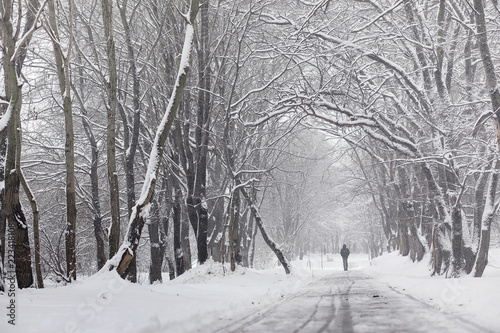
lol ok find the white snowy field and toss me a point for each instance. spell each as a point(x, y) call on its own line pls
point(106, 303)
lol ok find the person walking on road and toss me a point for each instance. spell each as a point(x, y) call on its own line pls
point(344, 252)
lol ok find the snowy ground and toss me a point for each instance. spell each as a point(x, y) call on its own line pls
point(208, 293)
point(477, 299)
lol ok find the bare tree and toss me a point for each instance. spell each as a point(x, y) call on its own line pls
point(111, 107)
point(62, 60)
point(127, 251)
point(14, 45)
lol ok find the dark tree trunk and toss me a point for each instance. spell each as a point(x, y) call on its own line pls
point(441, 228)
point(456, 239)
point(112, 91)
point(246, 226)
point(198, 216)
point(96, 205)
point(404, 243)
point(470, 250)
point(12, 70)
point(216, 221)
point(482, 253)
point(186, 244)
point(131, 142)
point(36, 232)
point(16, 219)
point(217, 217)
point(492, 87)
point(196, 201)
point(488, 214)
point(171, 268)
point(272, 245)
point(62, 69)
point(234, 230)
point(177, 221)
point(154, 238)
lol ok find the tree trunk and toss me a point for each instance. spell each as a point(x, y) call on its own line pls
point(128, 250)
point(17, 222)
point(112, 87)
point(70, 189)
point(198, 216)
point(247, 231)
point(202, 132)
point(234, 229)
point(196, 200)
point(12, 66)
point(36, 231)
point(62, 65)
point(217, 217)
point(488, 214)
point(216, 221)
point(177, 221)
point(404, 243)
point(154, 238)
point(94, 185)
point(272, 245)
point(131, 142)
point(94, 172)
point(470, 250)
point(491, 85)
point(457, 238)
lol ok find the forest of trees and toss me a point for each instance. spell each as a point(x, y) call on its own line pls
point(148, 135)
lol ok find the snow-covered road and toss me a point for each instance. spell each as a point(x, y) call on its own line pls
point(387, 294)
point(346, 302)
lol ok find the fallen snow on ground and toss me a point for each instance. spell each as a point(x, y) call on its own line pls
point(106, 303)
point(475, 299)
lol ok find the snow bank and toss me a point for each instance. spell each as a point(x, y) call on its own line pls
point(106, 303)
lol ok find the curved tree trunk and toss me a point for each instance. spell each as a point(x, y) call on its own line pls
point(269, 241)
point(36, 231)
point(127, 251)
point(16, 221)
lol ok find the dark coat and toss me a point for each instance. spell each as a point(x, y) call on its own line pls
point(344, 252)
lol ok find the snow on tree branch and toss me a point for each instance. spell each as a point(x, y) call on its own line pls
point(125, 254)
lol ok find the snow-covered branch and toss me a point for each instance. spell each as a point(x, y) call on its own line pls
point(126, 253)
point(27, 35)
